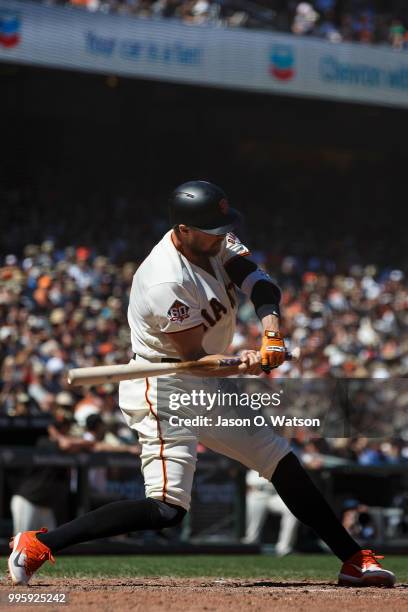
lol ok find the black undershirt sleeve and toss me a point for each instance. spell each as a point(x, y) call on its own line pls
point(265, 295)
point(238, 268)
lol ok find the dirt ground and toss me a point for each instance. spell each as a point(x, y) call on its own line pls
point(192, 594)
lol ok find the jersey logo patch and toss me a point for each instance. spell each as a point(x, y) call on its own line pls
point(178, 311)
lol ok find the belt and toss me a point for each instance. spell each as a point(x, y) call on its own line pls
point(164, 359)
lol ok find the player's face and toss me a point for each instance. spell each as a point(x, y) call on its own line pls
point(203, 244)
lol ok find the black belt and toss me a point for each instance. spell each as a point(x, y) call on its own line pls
point(164, 359)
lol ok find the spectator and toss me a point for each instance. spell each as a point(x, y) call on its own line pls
point(103, 441)
point(357, 520)
point(327, 28)
point(96, 431)
point(305, 19)
point(397, 34)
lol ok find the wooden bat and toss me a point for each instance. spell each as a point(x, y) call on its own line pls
point(115, 373)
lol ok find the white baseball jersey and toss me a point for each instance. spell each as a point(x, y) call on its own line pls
point(170, 294)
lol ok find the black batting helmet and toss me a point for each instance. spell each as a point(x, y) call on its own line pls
point(204, 206)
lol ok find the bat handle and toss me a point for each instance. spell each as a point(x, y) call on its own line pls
point(235, 361)
point(228, 362)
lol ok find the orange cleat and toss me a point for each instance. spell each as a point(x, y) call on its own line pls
point(27, 556)
point(363, 569)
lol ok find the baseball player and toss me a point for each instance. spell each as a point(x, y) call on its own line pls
point(183, 306)
point(262, 499)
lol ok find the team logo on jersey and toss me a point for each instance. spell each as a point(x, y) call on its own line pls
point(224, 206)
point(178, 311)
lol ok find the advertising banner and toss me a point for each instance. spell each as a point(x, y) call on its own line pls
point(167, 50)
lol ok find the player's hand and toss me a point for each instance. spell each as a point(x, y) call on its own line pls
point(273, 351)
point(251, 362)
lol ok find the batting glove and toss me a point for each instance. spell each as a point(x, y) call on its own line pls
point(273, 351)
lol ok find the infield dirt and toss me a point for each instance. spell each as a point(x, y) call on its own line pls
point(193, 594)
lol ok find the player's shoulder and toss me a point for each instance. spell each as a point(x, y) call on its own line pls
point(233, 247)
point(163, 265)
point(231, 240)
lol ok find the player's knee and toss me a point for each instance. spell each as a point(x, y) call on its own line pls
point(170, 514)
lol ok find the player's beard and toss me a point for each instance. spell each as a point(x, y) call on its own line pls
point(210, 251)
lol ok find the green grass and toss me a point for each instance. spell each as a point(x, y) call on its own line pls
point(293, 567)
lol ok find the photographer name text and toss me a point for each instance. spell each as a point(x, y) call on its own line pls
point(258, 420)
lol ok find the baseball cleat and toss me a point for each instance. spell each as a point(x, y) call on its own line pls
point(363, 569)
point(27, 556)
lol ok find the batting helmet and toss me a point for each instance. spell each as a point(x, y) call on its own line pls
point(204, 206)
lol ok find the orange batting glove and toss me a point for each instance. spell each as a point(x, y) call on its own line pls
point(273, 351)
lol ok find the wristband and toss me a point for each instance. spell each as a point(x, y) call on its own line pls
point(273, 334)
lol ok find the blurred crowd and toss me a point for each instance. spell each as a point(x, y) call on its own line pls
point(66, 307)
point(348, 325)
point(367, 21)
point(60, 309)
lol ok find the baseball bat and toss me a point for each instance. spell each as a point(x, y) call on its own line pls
point(115, 373)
